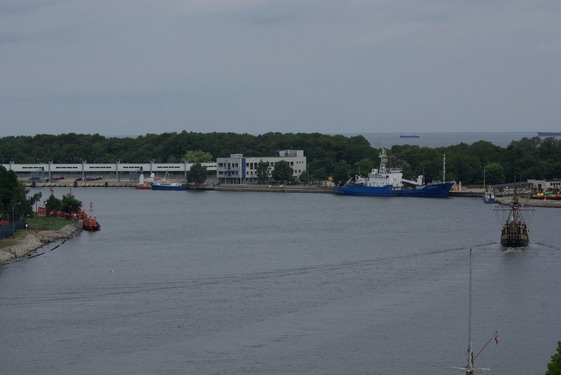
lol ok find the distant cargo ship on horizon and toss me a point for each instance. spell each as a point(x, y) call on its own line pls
point(549, 134)
point(409, 136)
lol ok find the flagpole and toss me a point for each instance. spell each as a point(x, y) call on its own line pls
point(469, 367)
point(494, 337)
point(469, 324)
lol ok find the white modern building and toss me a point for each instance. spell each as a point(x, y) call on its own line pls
point(238, 169)
point(544, 185)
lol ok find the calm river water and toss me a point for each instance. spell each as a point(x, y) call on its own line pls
point(270, 283)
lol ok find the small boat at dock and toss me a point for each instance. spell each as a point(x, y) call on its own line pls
point(90, 223)
point(168, 185)
point(489, 197)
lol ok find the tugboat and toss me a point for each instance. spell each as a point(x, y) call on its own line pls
point(515, 231)
point(90, 222)
point(142, 184)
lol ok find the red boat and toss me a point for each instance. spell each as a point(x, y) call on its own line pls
point(90, 222)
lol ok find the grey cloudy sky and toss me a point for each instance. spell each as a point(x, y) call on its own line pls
point(119, 67)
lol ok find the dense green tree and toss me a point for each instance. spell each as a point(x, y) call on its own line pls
point(263, 170)
point(318, 174)
point(494, 174)
point(14, 202)
point(418, 161)
point(53, 204)
point(8, 187)
point(484, 151)
point(198, 156)
point(197, 174)
point(282, 172)
point(463, 167)
point(554, 366)
point(23, 203)
point(362, 167)
point(305, 177)
point(70, 204)
point(342, 172)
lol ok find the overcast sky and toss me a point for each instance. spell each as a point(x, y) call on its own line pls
point(120, 67)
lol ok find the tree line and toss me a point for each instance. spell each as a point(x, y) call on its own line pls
point(336, 156)
point(15, 204)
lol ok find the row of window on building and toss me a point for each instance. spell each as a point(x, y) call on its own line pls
point(230, 171)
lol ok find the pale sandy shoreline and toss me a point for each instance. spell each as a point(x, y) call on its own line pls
point(34, 241)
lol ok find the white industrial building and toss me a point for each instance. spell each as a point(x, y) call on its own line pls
point(545, 185)
point(50, 169)
point(238, 169)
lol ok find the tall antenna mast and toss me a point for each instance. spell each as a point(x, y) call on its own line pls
point(469, 369)
point(383, 160)
point(444, 168)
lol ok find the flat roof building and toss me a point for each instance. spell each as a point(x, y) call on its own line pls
point(238, 169)
point(544, 185)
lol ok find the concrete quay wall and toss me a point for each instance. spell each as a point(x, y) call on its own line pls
point(277, 188)
point(506, 201)
point(82, 184)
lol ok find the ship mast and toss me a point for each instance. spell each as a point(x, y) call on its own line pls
point(515, 206)
point(383, 160)
point(469, 369)
point(444, 168)
point(469, 366)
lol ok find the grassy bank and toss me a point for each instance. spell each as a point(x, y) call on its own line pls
point(37, 223)
point(13, 240)
point(46, 223)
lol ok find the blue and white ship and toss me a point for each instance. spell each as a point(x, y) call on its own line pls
point(390, 182)
point(489, 197)
point(168, 185)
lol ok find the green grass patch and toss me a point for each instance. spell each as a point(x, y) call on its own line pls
point(46, 223)
point(12, 239)
point(35, 223)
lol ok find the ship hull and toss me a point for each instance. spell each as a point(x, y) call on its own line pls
point(514, 243)
point(549, 134)
point(385, 191)
point(168, 187)
point(91, 228)
point(515, 234)
point(434, 190)
point(429, 191)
